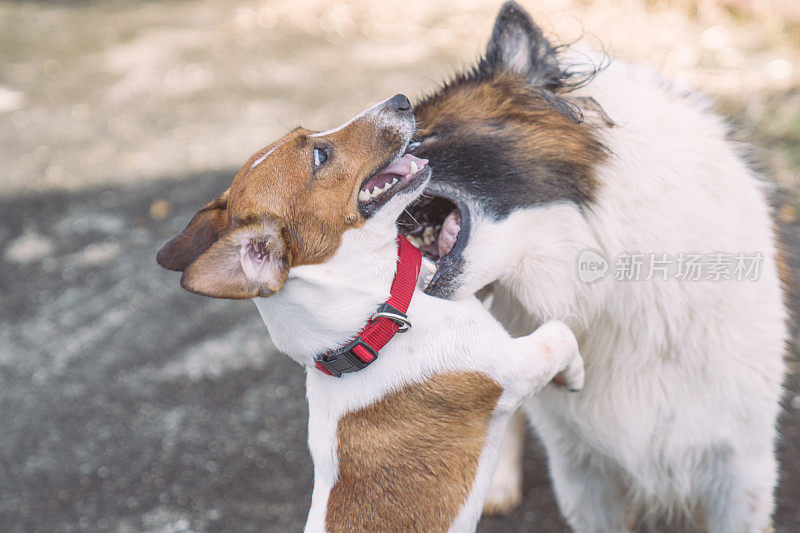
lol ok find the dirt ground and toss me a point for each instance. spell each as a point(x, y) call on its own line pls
point(127, 404)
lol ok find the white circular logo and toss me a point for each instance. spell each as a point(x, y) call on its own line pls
point(591, 266)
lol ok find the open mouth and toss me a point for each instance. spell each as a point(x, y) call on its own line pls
point(437, 223)
point(403, 173)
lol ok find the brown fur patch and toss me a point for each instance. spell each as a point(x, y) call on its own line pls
point(311, 207)
point(316, 208)
point(408, 461)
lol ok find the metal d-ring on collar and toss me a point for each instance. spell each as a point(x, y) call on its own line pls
point(393, 314)
point(402, 321)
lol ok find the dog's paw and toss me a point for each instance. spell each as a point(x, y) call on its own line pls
point(558, 339)
point(505, 493)
point(502, 502)
point(572, 377)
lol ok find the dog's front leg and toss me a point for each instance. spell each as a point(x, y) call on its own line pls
point(505, 491)
point(529, 364)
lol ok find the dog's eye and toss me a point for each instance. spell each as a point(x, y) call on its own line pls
point(413, 146)
point(320, 156)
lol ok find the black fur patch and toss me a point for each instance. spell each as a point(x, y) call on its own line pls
point(490, 172)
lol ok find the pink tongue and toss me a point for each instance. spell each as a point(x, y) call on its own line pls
point(449, 233)
point(402, 166)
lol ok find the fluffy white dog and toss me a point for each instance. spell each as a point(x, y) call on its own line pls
point(623, 207)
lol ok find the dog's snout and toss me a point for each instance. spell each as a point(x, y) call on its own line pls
point(400, 103)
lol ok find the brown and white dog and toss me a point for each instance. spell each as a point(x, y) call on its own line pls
point(307, 228)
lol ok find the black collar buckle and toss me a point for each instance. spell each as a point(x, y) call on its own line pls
point(343, 360)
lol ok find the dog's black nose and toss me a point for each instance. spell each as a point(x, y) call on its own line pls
point(400, 102)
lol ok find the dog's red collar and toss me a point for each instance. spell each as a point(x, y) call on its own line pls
point(384, 324)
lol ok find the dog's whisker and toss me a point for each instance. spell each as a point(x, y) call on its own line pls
point(412, 217)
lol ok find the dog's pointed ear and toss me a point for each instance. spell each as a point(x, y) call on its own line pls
point(252, 259)
point(518, 44)
point(202, 231)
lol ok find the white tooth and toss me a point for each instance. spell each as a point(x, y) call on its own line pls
point(363, 196)
point(394, 181)
point(423, 283)
point(414, 167)
point(428, 236)
point(376, 191)
point(429, 265)
point(415, 242)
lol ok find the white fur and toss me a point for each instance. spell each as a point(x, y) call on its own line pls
point(326, 305)
point(683, 377)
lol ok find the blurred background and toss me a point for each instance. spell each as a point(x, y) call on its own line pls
point(127, 404)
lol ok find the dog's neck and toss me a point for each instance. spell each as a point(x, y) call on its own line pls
point(321, 307)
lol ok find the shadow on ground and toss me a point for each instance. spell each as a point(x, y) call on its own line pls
point(129, 404)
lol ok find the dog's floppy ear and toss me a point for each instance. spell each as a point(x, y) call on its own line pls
point(251, 259)
point(518, 44)
point(203, 231)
